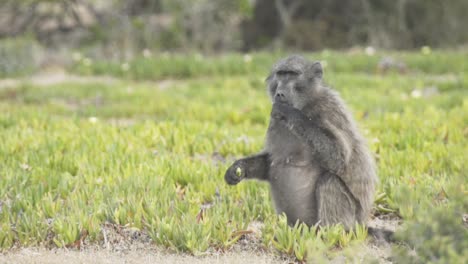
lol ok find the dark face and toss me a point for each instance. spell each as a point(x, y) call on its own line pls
point(293, 81)
point(289, 87)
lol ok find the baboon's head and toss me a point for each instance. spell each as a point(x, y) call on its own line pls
point(294, 80)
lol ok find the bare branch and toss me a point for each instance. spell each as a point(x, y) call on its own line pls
point(286, 13)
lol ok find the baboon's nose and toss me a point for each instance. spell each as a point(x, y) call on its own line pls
point(279, 95)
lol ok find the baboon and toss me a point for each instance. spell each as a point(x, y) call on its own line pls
point(317, 163)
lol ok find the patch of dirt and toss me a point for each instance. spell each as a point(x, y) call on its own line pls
point(122, 238)
point(8, 83)
point(60, 77)
point(60, 256)
point(57, 76)
point(387, 221)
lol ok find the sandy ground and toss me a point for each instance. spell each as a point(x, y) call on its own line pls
point(362, 254)
point(379, 253)
point(105, 256)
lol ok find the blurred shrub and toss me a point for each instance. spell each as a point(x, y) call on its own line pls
point(434, 234)
point(18, 56)
point(227, 25)
point(166, 65)
point(155, 66)
point(316, 24)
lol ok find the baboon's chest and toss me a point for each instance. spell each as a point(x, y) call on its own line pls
point(285, 148)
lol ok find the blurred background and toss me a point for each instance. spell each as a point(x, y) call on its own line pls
point(35, 33)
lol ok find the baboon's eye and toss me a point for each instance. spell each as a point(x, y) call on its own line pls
point(287, 72)
point(299, 87)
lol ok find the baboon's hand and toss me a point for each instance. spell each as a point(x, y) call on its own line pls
point(289, 116)
point(285, 112)
point(280, 111)
point(235, 173)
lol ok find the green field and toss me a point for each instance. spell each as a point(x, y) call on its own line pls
point(148, 151)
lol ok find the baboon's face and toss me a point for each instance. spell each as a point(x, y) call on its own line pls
point(293, 81)
point(289, 87)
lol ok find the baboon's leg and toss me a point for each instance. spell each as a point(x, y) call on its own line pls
point(334, 202)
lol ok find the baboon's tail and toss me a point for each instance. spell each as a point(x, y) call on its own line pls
point(382, 234)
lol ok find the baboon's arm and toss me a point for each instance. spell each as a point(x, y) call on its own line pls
point(253, 167)
point(326, 142)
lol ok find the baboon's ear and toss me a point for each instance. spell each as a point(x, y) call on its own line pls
point(315, 70)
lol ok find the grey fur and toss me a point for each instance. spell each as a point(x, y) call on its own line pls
point(317, 163)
